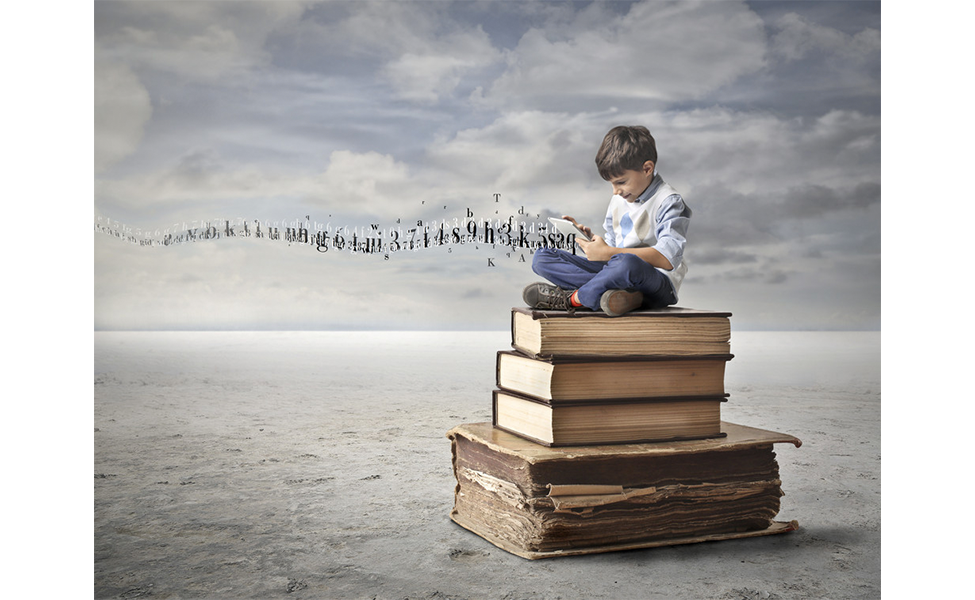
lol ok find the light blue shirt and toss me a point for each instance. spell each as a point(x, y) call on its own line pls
point(628, 224)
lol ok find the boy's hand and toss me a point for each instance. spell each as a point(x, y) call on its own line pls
point(580, 225)
point(597, 249)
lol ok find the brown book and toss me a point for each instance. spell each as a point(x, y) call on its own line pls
point(597, 378)
point(667, 331)
point(616, 421)
point(536, 502)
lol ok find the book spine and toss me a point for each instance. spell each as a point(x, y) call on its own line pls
point(497, 368)
point(512, 328)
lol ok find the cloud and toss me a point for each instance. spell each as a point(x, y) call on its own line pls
point(813, 65)
point(515, 149)
point(212, 185)
point(658, 51)
point(798, 38)
point(751, 151)
point(717, 256)
point(197, 41)
point(474, 293)
point(368, 184)
point(423, 55)
point(812, 200)
point(757, 275)
point(427, 75)
point(122, 109)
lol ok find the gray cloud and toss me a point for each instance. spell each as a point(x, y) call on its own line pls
point(197, 41)
point(474, 293)
point(810, 200)
point(592, 58)
point(718, 256)
point(799, 38)
point(122, 109)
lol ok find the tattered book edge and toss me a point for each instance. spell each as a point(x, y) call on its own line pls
point(735, 437)
point(775, 528)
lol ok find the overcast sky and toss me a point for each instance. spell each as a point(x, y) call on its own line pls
point(350, 116)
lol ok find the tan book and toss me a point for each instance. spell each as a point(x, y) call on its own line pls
point(671, 331)
point(617, 421)
point(537, 502)
point(598, 378)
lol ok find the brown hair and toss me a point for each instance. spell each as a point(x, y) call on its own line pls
point(625, 148)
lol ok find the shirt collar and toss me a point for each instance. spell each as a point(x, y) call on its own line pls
point(651, 189)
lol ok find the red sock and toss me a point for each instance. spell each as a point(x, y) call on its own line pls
point(574, 299)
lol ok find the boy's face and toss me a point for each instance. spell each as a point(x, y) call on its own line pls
point(632, 183)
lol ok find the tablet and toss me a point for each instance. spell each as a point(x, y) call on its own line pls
point(567, 227)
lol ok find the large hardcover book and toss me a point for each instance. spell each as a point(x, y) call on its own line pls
point(595, 378)
point(607, 421)
point(536, 501)
point(667, 331)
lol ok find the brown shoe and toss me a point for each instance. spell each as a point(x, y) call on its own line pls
point(546, 296)
point(619, 302)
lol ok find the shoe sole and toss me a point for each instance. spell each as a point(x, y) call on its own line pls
point(619, 302)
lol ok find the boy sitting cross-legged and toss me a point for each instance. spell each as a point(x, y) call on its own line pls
point(639, 262)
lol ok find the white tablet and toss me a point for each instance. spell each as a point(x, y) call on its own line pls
point(567, 227)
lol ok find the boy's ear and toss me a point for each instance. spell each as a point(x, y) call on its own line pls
point(648, 167)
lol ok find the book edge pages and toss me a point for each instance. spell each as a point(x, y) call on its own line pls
point(775, 528)
point(724, 397)
point(572, 359)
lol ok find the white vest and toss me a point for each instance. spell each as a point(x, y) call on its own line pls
point(644, 231)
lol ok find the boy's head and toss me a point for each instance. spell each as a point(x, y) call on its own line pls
point(627, 158)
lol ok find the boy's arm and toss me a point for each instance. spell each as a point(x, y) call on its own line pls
point(599, 250)
point(670, 231)
point(609, 227)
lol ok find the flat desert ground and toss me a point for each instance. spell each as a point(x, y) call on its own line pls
point(316, 465)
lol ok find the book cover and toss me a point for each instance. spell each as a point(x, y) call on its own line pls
point(660, 332)
point(607, 421)
point(610, 377)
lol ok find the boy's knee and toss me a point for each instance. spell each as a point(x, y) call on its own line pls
point(545, 253)
point(543, 256)
point(633, 269)
point(628, 262)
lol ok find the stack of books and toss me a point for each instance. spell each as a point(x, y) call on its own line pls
point(607, 435)
point(646, 376)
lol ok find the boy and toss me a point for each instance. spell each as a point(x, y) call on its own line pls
point(640, 261)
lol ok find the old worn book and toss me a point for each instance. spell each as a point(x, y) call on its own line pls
point(536, 502)
point(595, 378)
point(607, 421)
point(671, 331)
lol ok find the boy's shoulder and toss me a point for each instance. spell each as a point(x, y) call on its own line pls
point(662, 193)
point(666, 190)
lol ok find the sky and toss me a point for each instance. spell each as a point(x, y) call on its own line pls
point(388, 120)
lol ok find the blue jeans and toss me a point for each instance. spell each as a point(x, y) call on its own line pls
point(592, 278)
